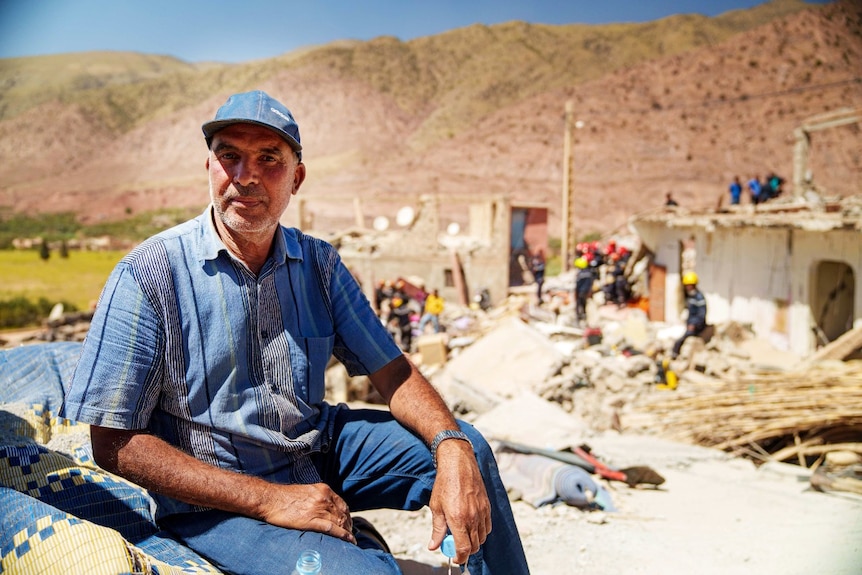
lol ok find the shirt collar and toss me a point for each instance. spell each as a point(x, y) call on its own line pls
point(210, 242)
point(286, 245)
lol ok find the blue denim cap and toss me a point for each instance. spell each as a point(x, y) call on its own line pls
point(256, 108)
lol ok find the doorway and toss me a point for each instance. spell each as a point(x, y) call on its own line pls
point(832, 300)
point(528, 236)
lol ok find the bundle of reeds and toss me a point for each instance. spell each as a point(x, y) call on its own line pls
point(778, 416)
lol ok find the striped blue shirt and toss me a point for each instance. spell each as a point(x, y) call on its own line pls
point(227, 366)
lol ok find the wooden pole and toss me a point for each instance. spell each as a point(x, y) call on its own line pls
point(357, 212)
point(567, 243)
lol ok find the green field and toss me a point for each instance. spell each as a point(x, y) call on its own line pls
point(77, 279)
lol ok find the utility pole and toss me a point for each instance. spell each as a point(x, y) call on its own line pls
point(567, 221)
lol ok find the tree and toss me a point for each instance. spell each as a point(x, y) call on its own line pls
point(44, 252)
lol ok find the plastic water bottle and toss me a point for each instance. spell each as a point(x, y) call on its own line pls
point(447, 548)
point(309, 563)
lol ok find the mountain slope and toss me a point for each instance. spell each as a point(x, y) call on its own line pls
point(679, 104)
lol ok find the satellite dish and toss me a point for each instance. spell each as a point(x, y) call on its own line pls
point(381, 223)
point(453, 229)
point(405, 216)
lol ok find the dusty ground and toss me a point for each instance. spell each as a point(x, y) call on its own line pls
point(714, 515)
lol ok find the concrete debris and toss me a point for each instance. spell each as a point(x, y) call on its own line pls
point(512, 358)
point(845, 346)
point(527, 415)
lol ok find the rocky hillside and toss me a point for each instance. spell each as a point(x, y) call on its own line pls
point(681, 104)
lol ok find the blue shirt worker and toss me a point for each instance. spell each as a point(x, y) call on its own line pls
point(695, 303)
point(735, 191)
point(754, 189)
point(202, 377)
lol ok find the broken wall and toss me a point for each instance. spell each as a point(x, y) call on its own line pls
point(423, 250)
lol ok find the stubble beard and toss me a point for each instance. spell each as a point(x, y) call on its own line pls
point(230, 216)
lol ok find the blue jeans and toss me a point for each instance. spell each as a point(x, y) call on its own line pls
point(373, 463)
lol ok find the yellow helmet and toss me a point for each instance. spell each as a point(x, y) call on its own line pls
point(581, 263)
point(689, 279)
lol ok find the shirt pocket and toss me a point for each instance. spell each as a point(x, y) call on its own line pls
point(312, 357)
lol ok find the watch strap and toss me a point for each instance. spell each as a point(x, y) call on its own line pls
point(443, 436)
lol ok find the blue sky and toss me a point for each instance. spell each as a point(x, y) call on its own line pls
point(242, 30)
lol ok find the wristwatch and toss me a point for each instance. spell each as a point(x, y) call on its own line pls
point(443, 436)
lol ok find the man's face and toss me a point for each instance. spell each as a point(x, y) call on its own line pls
point(253, 173)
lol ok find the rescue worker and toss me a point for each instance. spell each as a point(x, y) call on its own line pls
point(382, 297)
point(695, 303)
point(583, 288)
point(621, 282)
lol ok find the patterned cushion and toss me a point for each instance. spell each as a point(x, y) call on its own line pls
point(36, 373)
point(38, 539)
point(86, 492)
point(42, 488)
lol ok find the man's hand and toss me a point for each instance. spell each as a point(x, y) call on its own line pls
point(459, 501)
point(159, 467)
point(313, 507)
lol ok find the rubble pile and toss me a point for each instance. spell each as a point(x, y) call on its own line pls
point(70, 326)
point(735, 392)
point(521, 347)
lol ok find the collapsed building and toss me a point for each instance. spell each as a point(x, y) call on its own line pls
point(789, 270)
